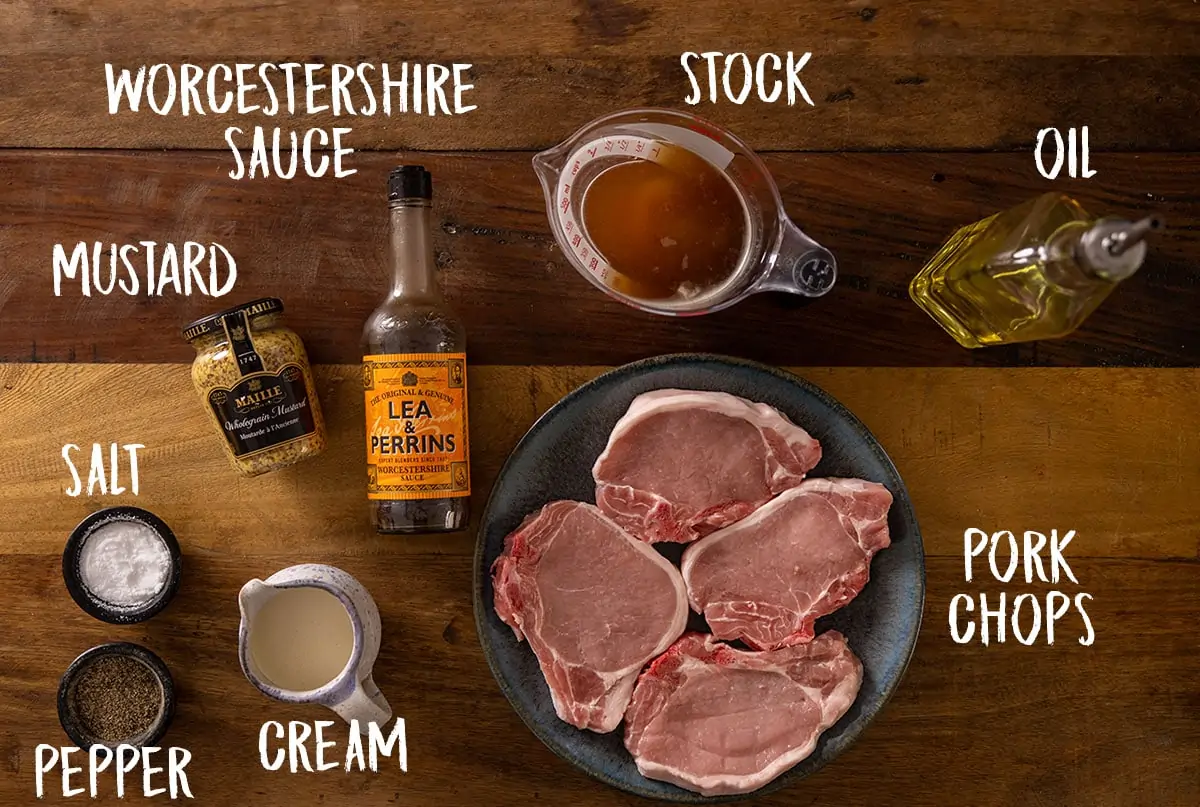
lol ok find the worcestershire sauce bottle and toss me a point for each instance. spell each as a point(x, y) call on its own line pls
point(415, 381)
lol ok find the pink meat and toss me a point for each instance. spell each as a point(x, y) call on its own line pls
point(766, 579)
point(594, 603)
point(720, 721)
point(681, 464)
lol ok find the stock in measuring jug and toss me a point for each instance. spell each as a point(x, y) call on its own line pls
point(675, 216)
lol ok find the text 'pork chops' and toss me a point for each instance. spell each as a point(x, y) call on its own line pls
point(766, 579)
point(594, 603)
point(683, 463)
point(721, 721)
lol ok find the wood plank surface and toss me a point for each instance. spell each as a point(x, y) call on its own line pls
point(533, 102)
point(885, 74)
point(321, 246)
point(1016, 449)
point(995, 449)
point(988, 727)
point(881, 28)
point(924, 117)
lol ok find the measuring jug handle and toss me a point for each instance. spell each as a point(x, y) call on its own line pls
point(365, 703)
point(801, 266)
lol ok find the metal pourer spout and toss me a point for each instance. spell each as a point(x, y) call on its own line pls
point(1113, 249)
point(1119, 241)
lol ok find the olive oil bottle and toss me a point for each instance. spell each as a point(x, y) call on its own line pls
point(415, 381)
point(1036, 271)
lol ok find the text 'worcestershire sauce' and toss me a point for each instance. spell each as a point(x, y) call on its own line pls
point(415, 381)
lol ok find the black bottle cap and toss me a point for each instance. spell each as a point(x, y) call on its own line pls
point(409, 182)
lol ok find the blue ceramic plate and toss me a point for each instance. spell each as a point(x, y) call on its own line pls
point(554, 461)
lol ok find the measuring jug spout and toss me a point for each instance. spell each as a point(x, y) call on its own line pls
point(252, 597)
point(800, 265)
point(547, 165)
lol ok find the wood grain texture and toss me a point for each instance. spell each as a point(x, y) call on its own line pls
point(885, 74)
point(969, 725)
point(534, 101)
point(881, 28)
point(1110, 454)
point(321, 246)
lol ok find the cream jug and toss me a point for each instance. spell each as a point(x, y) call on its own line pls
point(296, 646)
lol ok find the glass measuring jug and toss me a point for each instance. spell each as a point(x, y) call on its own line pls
point(775, 255)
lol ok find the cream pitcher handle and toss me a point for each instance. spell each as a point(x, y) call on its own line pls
point(365, 704)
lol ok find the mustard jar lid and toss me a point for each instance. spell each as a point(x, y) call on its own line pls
point(214, 322)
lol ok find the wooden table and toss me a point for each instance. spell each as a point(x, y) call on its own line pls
point(924, 119)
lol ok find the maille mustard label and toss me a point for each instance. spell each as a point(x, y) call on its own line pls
point(416, 405)
point(264, 410)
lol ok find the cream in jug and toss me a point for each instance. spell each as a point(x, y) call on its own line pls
point(302, 638)
point(310, 634)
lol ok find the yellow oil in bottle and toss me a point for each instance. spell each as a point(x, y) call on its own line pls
point(1036, 271)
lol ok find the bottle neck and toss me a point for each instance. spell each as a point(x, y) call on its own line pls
point(414, 271)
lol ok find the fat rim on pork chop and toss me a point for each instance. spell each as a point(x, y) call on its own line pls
point(801, 556)
point(778, 702)
point(594, 603)
point(682, 463)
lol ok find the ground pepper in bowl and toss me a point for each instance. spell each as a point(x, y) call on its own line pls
point(118, 693)
point(254, 379)
point(117, 698)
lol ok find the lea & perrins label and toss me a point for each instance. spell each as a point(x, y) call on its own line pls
point(416, 408)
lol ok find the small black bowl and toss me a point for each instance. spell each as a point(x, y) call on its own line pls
point(68, 717)
point(92, 604)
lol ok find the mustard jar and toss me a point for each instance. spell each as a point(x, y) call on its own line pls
point(256, 385)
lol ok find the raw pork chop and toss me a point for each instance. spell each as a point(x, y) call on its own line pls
point(720, 721)
point(805, 554)
point(681, 464)
point(594, 603)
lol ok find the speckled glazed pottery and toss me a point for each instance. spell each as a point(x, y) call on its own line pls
point(352, 694)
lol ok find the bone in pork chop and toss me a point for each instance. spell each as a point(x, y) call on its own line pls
point(721, 721)
point(766, 579)
point(682, 463)
point(594, 603)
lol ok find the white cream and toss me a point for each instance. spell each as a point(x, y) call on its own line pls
point(302, 638)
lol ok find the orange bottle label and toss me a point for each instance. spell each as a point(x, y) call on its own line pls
point(416, 407)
